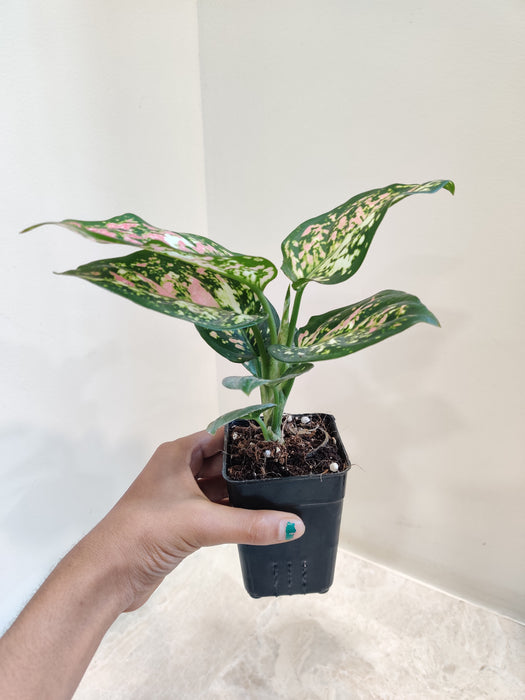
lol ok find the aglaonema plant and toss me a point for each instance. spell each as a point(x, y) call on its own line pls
point(223, 293)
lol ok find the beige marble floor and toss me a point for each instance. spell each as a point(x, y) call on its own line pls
point(375, 634)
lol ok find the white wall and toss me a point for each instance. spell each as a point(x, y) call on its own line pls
point(308, 102)
point(100, 115)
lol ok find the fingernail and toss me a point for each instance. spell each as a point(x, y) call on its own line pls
point(290, 529)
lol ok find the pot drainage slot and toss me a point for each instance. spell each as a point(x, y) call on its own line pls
point(303, 575)
point(287, 570)
point(275, 578)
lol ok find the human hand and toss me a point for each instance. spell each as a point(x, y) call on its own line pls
point(175, 506)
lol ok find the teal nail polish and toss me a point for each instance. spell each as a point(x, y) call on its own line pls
point(290, 530)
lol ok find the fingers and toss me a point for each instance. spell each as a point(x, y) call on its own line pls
point(192, 451)
point(213, 488)
point(223, 524)
point(211, 467)
point(200, 447)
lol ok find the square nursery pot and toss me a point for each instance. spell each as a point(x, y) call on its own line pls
point(305, 565)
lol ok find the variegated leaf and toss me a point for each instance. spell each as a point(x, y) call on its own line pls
point(253, 367)
point(248, 384)
point(352, 328)
point(235, 345)
point(248, 413)
point(176, 288)
point(330, 248)
point(239, 345)
point(203, 252)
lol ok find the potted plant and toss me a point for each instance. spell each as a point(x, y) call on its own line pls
point(271, 460)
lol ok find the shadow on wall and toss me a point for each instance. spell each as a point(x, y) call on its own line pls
point(54, 489)
point(395, 504)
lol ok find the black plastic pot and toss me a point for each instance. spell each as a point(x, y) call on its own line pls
point(305, 565)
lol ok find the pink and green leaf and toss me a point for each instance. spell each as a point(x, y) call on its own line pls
point(177, 288)
point(248, 384)
point(130, 229)
point(331, 247)
point(352, 328)
point(248, 413)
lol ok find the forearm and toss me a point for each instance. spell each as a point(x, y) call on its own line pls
point(49, 647)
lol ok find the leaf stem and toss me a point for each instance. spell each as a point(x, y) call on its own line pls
point(277, 413)
point(263, 353)
point(295, 313)
point(264, 429)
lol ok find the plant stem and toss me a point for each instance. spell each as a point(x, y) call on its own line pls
point(281, 392)
point(277, 413)
point(270, 368)
point(263, 353)
point(295, 313)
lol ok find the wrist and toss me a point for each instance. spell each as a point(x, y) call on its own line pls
point(106, 571)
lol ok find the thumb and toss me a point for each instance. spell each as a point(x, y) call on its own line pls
point(226, 524)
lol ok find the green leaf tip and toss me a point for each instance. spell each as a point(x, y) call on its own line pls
point(432, 320)
point(43, 223)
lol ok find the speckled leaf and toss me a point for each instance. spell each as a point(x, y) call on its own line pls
point(253, 367)
point(235, 345)
point(248, 384)
point(330, 248)
point(239, 345)
point(352, 328)
point(203, 252)
point(174, 287)
point(248, 413)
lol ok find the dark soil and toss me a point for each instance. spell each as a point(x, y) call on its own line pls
point(309, 447)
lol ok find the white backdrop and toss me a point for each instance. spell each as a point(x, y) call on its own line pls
point(304, 104)
point(100, 115)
